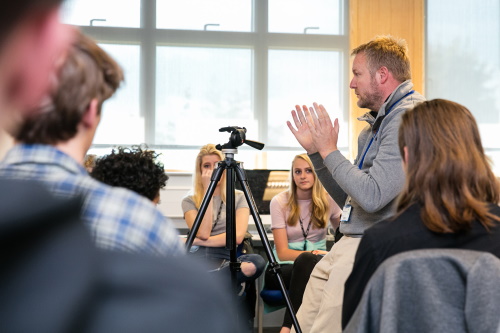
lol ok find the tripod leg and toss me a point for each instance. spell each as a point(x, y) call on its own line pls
point(231, 224)
point(240, 174)
point(216, 176)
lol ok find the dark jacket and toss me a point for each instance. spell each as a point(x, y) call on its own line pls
point(53, 279)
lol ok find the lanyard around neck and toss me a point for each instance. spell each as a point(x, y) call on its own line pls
point(218, 215)
point(360, 164)
point(304, 233)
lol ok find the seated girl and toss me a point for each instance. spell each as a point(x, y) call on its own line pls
point(299, 221)
point(210, 240)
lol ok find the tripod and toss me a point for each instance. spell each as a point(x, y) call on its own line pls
point(233, 169)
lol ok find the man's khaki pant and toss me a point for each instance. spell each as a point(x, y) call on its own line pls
point(321, 309)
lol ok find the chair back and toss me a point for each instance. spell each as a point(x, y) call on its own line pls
point(435, 290)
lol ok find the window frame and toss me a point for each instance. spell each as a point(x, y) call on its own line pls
point(148, 37)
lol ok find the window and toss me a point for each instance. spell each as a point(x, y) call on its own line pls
point(122, 120)
point(310, 80)
point(203, 88)
point(103, 13)
point(194, 66)
point(306, 16)
point(218, 15)
point(463, 62)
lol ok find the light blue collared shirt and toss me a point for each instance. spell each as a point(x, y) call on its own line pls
point(118, 219)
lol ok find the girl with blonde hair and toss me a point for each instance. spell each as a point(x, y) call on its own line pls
point(210, 240)
point(299, 220)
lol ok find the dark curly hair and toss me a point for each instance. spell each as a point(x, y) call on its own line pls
point(134, 168)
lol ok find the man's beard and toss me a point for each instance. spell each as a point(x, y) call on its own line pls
point(372, 99)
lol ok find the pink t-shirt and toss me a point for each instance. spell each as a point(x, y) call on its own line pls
point(280, 211)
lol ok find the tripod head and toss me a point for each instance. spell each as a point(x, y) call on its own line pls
point(237, 138)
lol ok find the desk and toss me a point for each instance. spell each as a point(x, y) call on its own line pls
point(257, 242)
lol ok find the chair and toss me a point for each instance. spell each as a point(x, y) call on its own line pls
point(270, 300)
point(435, 290)
point(273, 297)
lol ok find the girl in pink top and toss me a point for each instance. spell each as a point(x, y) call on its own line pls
point(299, 220)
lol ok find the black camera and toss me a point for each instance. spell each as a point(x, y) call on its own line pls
point(237, 138)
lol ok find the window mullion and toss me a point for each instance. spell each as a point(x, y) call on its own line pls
point(148, 68)
point(260, 65)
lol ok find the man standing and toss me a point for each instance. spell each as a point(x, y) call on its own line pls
point(52, 144)
point(366, 189)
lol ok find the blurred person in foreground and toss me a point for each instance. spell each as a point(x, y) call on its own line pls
point(53, 278)
point(51, 146)
point(450, 198)
point(31, 38)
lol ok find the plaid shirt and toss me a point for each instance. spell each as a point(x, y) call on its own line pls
point(118, 219)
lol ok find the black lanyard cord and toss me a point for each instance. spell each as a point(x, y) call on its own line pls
point(218, 215)
point(303, 232)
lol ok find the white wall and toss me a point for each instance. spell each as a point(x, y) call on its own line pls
point(178, 186)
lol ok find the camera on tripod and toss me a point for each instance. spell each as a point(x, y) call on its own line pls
point(233, 173)
point(237, 138)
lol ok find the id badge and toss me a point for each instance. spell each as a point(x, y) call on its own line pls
point(346, 213)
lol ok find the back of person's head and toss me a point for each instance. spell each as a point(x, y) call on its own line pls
point(320, 206)
point(87, 73)
point(132, 168)
point(387, 51)
point(12, 12)
point(447, 172)
point(208, 149)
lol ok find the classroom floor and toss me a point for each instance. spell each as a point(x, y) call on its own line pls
point(269, 330)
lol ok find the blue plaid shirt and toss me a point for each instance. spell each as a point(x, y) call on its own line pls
point(118, 219)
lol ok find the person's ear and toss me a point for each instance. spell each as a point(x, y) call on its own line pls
point(91, 116)
point(405, 157)
point(382, 75)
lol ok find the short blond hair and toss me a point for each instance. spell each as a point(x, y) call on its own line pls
point(387, 51)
